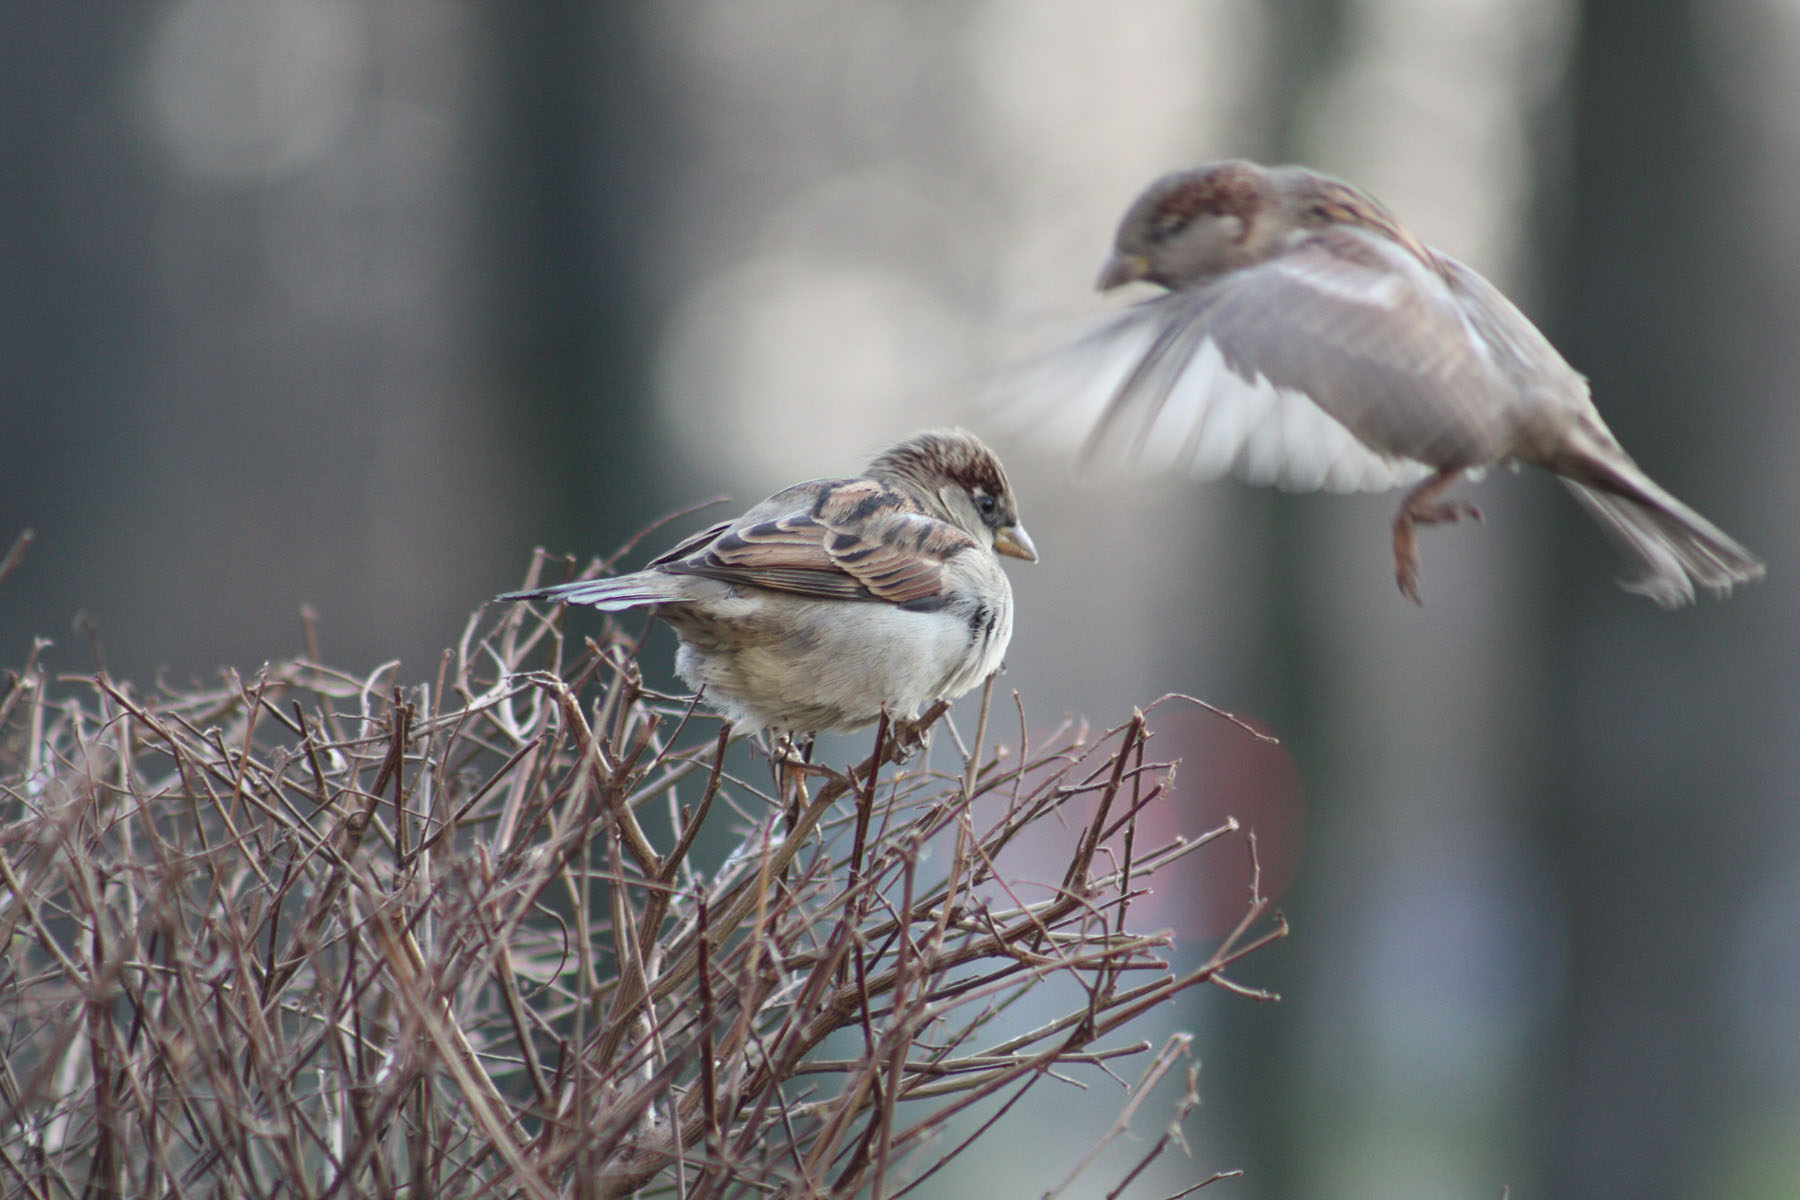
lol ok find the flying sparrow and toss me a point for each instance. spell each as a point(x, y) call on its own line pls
point(837, 598)
point(1308, 340)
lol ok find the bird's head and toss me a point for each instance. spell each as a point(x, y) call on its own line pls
point(965, 481)
point(1192, 226)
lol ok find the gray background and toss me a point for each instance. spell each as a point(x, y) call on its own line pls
point(348, 304)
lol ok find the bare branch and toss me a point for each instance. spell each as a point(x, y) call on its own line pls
point(322, 933)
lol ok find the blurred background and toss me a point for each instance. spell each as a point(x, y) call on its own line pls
point(348, 304)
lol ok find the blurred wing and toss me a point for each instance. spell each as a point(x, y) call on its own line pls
point(1342, 364)
point(857, 540)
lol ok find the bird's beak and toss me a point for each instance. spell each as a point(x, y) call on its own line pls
point(1122, 269)
point(1014, 541)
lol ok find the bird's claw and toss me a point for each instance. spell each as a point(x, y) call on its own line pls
point(789, 751)
point(1448, 512)
point(1406, 558)
point(1406, 574)
point(905, 739)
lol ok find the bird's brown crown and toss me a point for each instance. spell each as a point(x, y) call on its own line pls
point(1227, 189)
point(930, 459)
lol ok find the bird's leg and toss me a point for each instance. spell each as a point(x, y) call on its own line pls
point(790, 758)
point(865, 797)
point(1422, 506)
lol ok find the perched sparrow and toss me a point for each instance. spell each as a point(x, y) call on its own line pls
point(1309, 341)
point(835, 598)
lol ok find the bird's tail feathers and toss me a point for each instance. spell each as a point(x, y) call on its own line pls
point(1675, 546)
point(610, 595)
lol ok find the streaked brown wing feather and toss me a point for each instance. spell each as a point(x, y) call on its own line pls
point(858, 541)
point(689, 545)
point(900, 557)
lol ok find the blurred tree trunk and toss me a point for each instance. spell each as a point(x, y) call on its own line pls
point(1268, 1067)
point(1648, 876)
point(574, 171)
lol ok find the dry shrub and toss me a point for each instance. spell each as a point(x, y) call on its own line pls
point(315, 935)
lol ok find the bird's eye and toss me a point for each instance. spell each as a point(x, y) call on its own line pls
point(1167, 223)
point(985, 504)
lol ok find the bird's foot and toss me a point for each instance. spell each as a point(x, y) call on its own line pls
point(1406, 562)
point(790, 755)
point(1445, 512)
point(1422, 507)
point(905, 739)
point(790, 750)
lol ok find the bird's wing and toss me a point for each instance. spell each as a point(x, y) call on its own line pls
point(1508, 338)
point(854, 540)
point(1343, 363)
point(689, 545)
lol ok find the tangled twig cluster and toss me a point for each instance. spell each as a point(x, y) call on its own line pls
point(318, 935)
